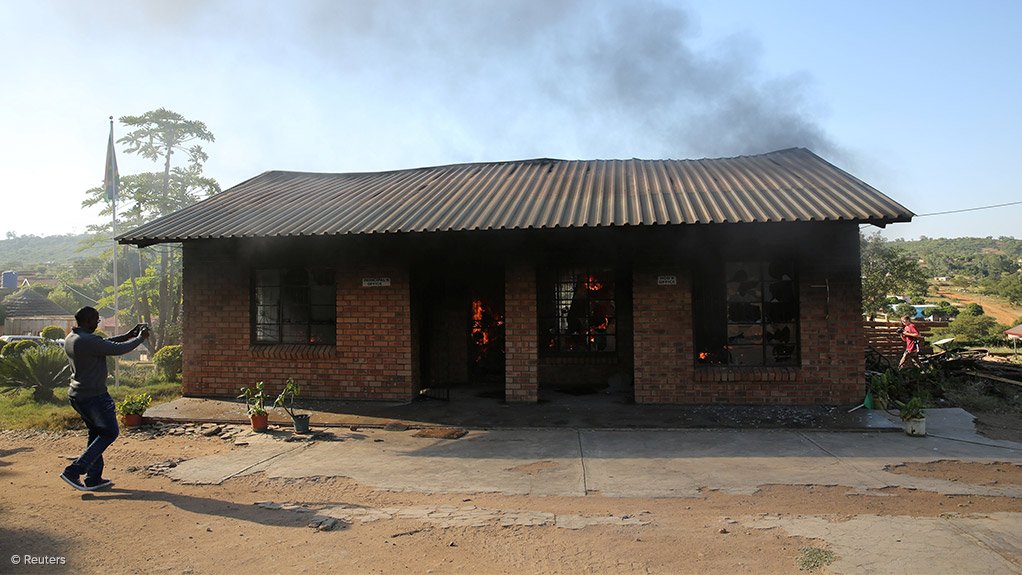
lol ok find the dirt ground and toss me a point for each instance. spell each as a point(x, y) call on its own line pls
point(150, 524)
point(998, 309)
point(1003, 426)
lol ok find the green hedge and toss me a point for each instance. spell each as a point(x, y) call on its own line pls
point(169, 361)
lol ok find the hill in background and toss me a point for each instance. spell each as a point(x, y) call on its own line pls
point(974, 258)
point(25, 253)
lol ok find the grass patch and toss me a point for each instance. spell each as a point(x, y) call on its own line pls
point(19, 411)
point(813, 558)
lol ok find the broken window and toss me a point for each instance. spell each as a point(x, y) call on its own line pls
point(294, 305)
point(749, 315)
point(577, 311)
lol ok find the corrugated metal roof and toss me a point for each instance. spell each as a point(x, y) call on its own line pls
point(785, 186)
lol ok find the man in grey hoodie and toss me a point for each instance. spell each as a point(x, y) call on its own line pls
point(87, 353)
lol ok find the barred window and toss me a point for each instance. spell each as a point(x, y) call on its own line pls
point(577, 311)
point(294, 305)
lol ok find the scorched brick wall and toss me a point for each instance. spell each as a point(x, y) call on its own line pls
point(832, 341)
point(371, 360)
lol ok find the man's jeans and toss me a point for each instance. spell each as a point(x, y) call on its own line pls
point(100, 417)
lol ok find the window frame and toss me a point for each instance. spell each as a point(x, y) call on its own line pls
point(318, 331)
point(736, 314)
point(552, 315)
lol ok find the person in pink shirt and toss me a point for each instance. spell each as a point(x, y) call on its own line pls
point(910, 335)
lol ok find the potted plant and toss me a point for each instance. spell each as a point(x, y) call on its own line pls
point(255, 402)
point(912, 414)
point(286, 399)
point(132, 407)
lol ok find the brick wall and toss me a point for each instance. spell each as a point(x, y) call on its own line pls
point(377, 342)
point(373, 357)
point(663, 337)
point(520, 334)
point(833, 365)
point(831, 336)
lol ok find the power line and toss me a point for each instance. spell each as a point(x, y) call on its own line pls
point(87, 297)
point(968, 209)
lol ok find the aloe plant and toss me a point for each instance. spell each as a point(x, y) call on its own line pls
point(41, 369)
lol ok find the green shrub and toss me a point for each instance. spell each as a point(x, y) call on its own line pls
point(134, 404)
point(14, 348)
point(973, 329)
point(169, 361)
point(41, 369)
point(53, 332)
point(904, 309)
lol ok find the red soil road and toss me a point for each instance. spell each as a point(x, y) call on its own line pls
point(996, 308)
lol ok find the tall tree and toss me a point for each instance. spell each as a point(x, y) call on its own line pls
point(886, 270)
point(161, 136)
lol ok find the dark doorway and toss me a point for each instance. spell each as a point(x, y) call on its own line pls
point(486, 333)
point(460, 313)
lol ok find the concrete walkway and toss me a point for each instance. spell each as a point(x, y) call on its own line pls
point(617, 463)
point(659, 463)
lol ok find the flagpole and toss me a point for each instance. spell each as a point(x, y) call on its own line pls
point(113, 228)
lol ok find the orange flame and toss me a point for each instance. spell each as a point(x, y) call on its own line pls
point(592, 283)
point(479, 335)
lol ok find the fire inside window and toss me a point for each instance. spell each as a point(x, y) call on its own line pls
point(295, 306)
point(761, 317)
point(578, 312)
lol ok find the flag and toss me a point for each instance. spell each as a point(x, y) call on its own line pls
point(110, 177)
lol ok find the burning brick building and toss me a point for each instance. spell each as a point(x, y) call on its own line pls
point(729, 280)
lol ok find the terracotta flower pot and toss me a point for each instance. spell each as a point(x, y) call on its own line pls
point(132, 420)
point(260, 422)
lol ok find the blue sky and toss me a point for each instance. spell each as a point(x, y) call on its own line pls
point(919, 99)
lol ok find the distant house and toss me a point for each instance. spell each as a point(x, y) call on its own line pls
point(29, 311)
point(1015, 332)
point(923, 311)
point(728, 281)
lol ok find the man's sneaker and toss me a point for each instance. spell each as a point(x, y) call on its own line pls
point(73, 481)
point(96, 484)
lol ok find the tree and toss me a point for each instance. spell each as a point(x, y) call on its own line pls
point(159, 135)
point(970, 327)
point(904, 309)
point(886, 269)
point(973, 309)
point(1010, 288)
point(945, 309)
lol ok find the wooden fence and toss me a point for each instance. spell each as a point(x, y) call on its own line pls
point(883, 337)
